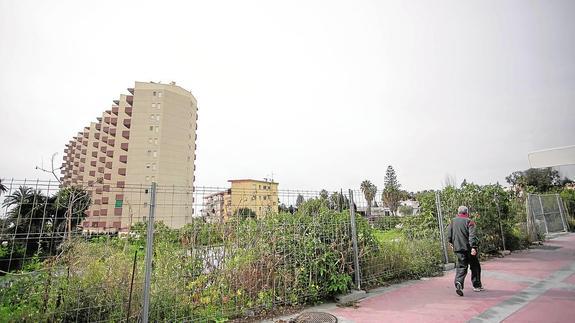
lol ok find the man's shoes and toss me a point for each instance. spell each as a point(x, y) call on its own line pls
point(478, 289)
point(459, 289)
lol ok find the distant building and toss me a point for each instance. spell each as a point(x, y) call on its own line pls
point(147, 136)
point(411, 203)
point(246, 197)
point(376, 212)
point(214, 206)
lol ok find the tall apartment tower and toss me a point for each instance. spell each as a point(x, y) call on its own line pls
point(147, 136)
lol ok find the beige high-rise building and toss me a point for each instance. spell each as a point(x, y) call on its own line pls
point(147, 136)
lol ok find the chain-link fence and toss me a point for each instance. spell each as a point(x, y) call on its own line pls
point(546, 214)
point(96, 252)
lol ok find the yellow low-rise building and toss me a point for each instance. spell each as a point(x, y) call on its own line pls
point(246, 197)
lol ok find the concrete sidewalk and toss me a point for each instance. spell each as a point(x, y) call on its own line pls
point(536, 285)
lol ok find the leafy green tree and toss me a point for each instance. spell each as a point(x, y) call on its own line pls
point(323, 194)
point(538, 180)
point(405, 209)
point(338, 201)
point(70, 204)
point(391, 195)
point(369, 190)
point(245, 212)
point(299, 200)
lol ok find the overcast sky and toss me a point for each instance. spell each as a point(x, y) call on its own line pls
point(324, 94)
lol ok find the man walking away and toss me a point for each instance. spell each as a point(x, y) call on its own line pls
point(463, 240)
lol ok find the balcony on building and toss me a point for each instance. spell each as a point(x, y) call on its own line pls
point(122, 171)
point(103, 149)
point(97, 135)
point(82, 160)
point(118, 211)
point(115, 110)
point(131, 90)
point(114, 121)
point(105, 200)
point(103, 212)
point(127, 123)
point(129, 111)
point(92, 173)
point(109, 165)
point(113, 131)
point(108, 176)
point(110, 153)
point(106, 129)
point(95, 144)
point(126, 134)
point(130, 99)
point(94, 154)
point(124, 146)
point(102, 159)
point(123, 159)
point(111, 142)
point(116, 102)
point(98, 126)
point(107, 120)
point(101, 170)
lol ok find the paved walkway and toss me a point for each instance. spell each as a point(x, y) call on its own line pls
point(537, 285)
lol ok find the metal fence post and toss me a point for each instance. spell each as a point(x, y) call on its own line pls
point(561, 213)
point(149, 254)
point(354, 240)
point(543, 215)
point(528, 220)
point(441, 229)
point(496, 198)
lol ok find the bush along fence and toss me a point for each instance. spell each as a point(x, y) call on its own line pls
point(98, 252)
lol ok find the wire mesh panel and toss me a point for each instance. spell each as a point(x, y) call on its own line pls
point(131, 252)
point(548, 213)
point(247, 251)
point(62, 256)
point(396, 245)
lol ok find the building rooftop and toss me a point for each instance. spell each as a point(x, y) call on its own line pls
point(251, 180)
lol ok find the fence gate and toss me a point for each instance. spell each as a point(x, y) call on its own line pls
point(546, 214)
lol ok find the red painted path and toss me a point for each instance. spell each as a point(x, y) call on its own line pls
point(537, 285)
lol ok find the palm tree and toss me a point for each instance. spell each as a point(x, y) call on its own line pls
point(23, 225)
point(3, 188)
point(369, 190)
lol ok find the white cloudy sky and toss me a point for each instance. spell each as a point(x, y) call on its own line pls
point(324, 94)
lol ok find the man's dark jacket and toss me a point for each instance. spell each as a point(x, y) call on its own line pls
point(461, 233)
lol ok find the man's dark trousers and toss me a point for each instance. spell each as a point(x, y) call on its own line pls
point(465, 259)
